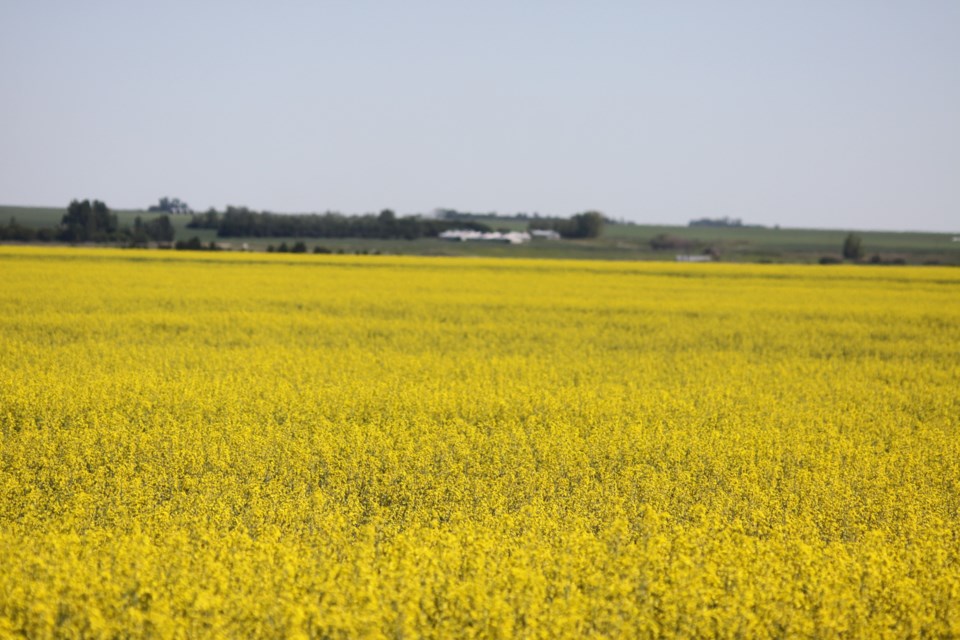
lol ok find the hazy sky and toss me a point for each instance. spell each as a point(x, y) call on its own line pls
point(833, 113)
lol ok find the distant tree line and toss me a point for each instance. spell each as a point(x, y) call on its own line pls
point(716, 222)
point(195, 244)
point(15, 231)
point(453, 214)
point(243, 222)
point(92, 221)
point(298, 247)
point(582, 225)
point(663, 242)
point(301, 247)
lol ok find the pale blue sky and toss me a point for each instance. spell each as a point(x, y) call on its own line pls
point(841, 114)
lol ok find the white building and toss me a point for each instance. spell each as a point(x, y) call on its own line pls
point(469, 235)
point(544, 234)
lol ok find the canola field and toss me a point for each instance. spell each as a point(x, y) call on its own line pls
point(228, 445)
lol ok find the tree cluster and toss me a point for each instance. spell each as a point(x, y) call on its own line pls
point(582, 225)
point(209, 219)
point(159, 229)
point(88, 222)
point(170, 205)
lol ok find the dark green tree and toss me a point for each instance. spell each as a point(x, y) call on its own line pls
point(160, 229)
point(138, 236)
point(852, 247)
point(588, 224)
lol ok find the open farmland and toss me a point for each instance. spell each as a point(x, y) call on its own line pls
point(213, 445)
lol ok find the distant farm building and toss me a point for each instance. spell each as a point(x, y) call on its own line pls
point(694, 258)
point(468, 235)
point(544, 234)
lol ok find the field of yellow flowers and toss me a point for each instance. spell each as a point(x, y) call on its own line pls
point(229, 445)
